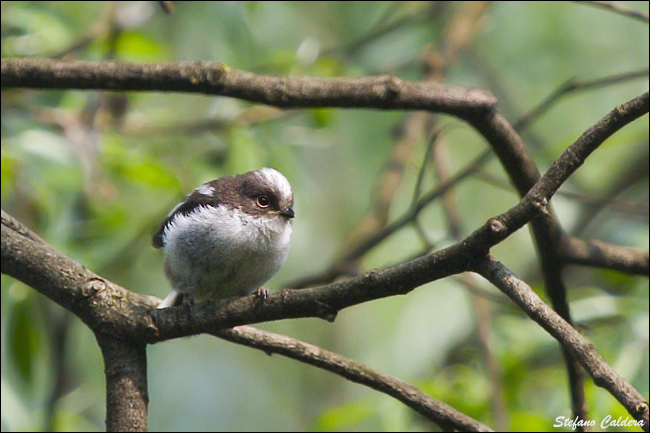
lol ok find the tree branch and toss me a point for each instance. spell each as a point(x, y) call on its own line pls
point(127, 398)
point(118, 315)
point(211, 78)
point(599, 254)
point(102, 304)
point(620, 9)
point(445, 416)
point(571, 340)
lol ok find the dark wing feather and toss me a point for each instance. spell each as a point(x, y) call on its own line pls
point(192, 202)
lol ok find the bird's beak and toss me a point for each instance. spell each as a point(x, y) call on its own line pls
point(288, 213)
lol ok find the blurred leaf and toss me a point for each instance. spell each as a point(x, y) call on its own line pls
point(23, 340)
point(35, 32)
point(135, 47)
point(528, 421)
point(47, 145)
point(327, 67)
point(150, 174)
point(245, 151)
point(321, 116)
point(279, 60)
point(462, 387)
point(344, 417)
point(8, 173)
point(15, 415)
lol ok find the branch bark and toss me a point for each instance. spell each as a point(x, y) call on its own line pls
point(445, 416)
point(605, 255)
point(125, 322)
point(211, 78)
point(571, 340)
point(127, 398)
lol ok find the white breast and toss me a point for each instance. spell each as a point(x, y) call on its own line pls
point(217, 252)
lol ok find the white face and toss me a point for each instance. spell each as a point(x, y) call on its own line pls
point(205, 189)
point(278, 180)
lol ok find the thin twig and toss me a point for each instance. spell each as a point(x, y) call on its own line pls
point(570, 86)
point(619, 9)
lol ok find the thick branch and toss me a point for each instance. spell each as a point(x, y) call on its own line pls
point(445, 416)
point(95, 299)
point(104, 306)
point(112, 310)
point(386, 92)
point(127, 398)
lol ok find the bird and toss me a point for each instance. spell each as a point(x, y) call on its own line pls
point(228, 237)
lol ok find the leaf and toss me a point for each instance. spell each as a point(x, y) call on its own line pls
point(23, 341)
point(344, 417)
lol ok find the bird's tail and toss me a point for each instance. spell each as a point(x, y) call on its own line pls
point(170, 299)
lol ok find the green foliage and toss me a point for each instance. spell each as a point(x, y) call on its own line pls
point(94, 173)
point(344, 417)
point(24, 342)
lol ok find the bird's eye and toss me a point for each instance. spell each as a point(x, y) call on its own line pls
point(263, 201)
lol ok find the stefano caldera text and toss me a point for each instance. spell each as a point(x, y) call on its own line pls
point(562, 421)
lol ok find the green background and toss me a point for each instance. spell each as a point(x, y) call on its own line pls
point(96, 186)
